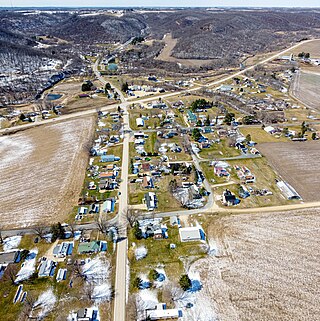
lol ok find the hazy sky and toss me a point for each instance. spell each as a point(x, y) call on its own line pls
point(163, 3)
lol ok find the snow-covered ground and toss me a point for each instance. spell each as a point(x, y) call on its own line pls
point(146, 299)
point(12, 242)
point(202, 309)
point(97, 272)
point(44, 304)
point(28, 266)
point(140, 252)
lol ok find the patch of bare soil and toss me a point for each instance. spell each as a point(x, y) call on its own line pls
point(266, 267)
point(166, 52)
point(42, 171)
point(298, 164)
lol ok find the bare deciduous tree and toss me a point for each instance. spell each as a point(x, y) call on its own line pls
point(102, 224)
point(72, 228)
point(40, 230)
point(10, 273)
point(131, 216)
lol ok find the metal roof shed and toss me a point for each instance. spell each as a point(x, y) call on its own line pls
point(190, 234)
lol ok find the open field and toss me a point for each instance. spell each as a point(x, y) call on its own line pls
point(265, 267)
point(312, 47)
point(306, 89)
point(259, 135)
point(42, 171)
point(166, 52)
point(298, 163)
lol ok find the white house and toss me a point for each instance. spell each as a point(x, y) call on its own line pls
point(139, 122)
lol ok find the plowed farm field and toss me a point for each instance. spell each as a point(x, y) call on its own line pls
point(265, 267)
point(42, 171)
point(298, 164)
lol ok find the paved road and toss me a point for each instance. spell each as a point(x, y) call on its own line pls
point(121, 265)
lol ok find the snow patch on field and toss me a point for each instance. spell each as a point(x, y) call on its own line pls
point(97, 273)
point(45, 303)
point(13, 150)
point(12, 242)
point(140, 252)
point(146, 299)
point(27, 267)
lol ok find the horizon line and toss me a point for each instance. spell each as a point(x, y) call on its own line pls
point(160, 7)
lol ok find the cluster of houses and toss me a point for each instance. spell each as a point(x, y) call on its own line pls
point(244, 174)
point(103, 171)
point(139, 142)
point(136, 90)
point(153, 228)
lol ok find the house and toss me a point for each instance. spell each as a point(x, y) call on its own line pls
point(229, 199)
point(109, 158)
point(61, 275)
point(221, 171)
point(139, 135)
point(159, 104)
point(150, 200)
point(225, 88)
point(89, 247)
point(94, 208)
point(270, 130)
point(9, 257)
point(193, 233)
point(145, 167)
point(63, 249)
point(89, 314)
point(174, 220)
point(192, 118)
point(243, 192)
point(153, 228)
point(107, 175)
point(147, 182)
point(245, 175)
point(140, 122)
point(82, 210)
point(108, 205)
point(46, 267)
point(160, 312)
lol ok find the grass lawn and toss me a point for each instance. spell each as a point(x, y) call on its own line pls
point(259, 135)
point(219, 150)
point(265, 179)
point(210, 176)
point(159, 253)
point(166, 202)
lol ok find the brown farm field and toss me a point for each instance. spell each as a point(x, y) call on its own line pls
point(265, 267)
point(42, 170)
point(298, 164)
point(306, 89)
